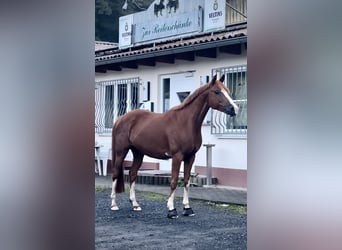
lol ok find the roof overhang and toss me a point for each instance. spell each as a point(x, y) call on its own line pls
point(167, 52)
point(196, 47)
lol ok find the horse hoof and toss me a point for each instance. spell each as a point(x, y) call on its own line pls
point(188, 212)
point(172, 214)
point(114, 208)
point(136, 208)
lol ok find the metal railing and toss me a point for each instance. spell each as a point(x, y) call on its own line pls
point(113, 99)
point(236, 11)
point(236, 81)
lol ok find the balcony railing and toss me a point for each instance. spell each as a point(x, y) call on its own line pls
point(236, 11)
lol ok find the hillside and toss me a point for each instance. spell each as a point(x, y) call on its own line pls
point(107, 13)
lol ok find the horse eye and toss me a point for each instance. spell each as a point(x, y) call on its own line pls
point(217, 92)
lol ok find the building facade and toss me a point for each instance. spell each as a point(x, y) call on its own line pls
point(156, 71)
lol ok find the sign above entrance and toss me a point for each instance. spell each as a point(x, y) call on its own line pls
point(167, 18)
point(171, 26)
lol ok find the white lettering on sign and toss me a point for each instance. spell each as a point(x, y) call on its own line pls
point(175, 25)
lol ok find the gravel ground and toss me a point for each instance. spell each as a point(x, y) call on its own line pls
point(212, 227)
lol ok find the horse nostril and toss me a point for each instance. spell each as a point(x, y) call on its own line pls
point(230, 110)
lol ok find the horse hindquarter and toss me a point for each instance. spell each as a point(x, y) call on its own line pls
point(120, 147)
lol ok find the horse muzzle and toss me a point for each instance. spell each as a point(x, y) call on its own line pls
point(229, 110)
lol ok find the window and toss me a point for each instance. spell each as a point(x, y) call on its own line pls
point(236, 81)
point(113, 99)
point(166, 94)
point(122, 99)
point(109, 104)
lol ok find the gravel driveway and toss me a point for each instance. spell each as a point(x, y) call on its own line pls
point(213, 226)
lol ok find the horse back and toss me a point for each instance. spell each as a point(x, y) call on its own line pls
point(154, 134)
point(145, 131)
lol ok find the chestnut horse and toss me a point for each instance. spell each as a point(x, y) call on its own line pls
point(174, 134)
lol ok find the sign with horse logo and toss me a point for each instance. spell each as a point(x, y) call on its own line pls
point(163, 19)
point(166, 18)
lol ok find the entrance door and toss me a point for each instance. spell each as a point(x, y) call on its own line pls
point(174, 89)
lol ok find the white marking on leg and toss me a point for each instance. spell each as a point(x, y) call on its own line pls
point(170, 203)
point(186, 196)
point(113, 206)
point(136, 206)
point(225, 93)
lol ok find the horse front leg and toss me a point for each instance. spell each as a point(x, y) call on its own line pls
point(113, 206)
point(176, 162)
point(187, 210)
point(135, 204)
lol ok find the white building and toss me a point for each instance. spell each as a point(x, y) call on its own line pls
point(161, 58)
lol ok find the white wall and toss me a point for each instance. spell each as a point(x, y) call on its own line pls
point(228, 153)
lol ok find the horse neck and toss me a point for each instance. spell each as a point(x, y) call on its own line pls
point(197, 110)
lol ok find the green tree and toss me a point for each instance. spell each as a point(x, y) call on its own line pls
point(107, 13)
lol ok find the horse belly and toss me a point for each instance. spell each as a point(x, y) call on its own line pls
point(153, 144)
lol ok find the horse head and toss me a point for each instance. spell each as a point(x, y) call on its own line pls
point(220, 97)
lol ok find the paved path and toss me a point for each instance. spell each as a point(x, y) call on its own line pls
point(210, 193)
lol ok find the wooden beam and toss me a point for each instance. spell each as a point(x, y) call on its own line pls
point(166, 59)
point(231, 49)
point(147, 62)
point(100, 69)
point(129, 64)
point(114, 67)
point(210, 53)
point(188, 56)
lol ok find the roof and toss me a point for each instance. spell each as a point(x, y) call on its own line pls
point(100, 46)
point(183, 47)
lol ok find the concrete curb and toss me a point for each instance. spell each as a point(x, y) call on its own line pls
point(208, 193)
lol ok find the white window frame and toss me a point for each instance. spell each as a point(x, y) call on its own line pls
point(221, 124)
point(103, 109)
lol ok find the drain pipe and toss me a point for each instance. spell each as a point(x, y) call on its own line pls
point(209, 162)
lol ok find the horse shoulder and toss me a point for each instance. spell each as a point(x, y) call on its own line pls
point(145, 121)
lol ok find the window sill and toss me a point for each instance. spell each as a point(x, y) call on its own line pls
point(105, 135)
point(230, 136)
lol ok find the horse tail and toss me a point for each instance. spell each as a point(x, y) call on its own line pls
point(118, 173)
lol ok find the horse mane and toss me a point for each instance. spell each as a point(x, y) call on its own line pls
point(191, 97)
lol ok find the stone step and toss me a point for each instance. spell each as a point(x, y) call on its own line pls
point(163, 178)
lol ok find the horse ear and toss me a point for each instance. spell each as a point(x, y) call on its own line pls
point(214, 79)
point(222, 78)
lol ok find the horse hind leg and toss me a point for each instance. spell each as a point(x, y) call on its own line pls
point(118, 178)
point(137, 160)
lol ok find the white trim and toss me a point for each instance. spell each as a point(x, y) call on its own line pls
point(225, 93)
point(170, 201)
point(113, 206)
point(186, 196)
